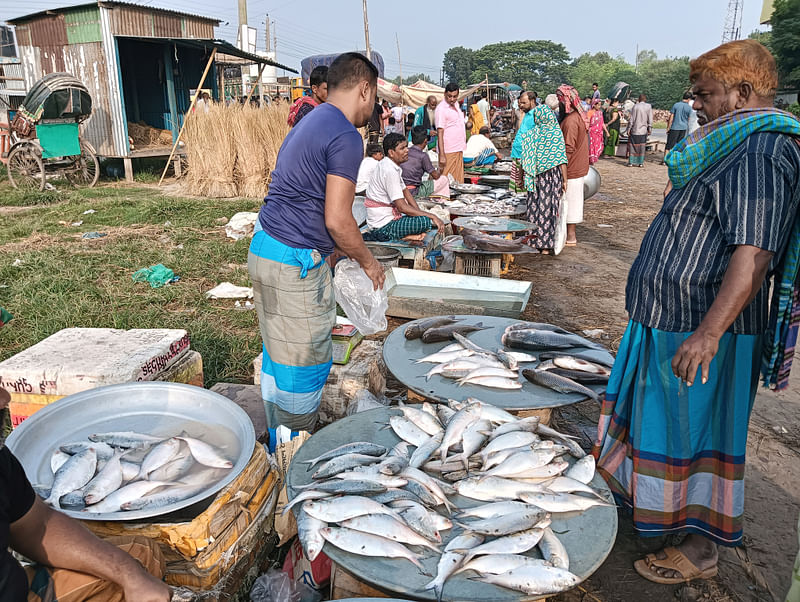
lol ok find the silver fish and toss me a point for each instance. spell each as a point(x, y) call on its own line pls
point(489, 371)
point(74, 474)
point(57, 460)
point(543, 472)
point(560, 502)
point(507, 441)
point(495, 509)
point(429, 424)
point(468, 363)
point(442, 357)
point(491, 412)
point(570, 362)
point(574, 449)
point(393, 495)
point(308, 494)
point(493, 382)
point(342, 463)
point(495, 489)
point(422, 494)
point(205, 476)
point(471, 441)
point(408, 431)
point(506, 525)
point(424, 451)
point(349, 487)
point(461, 421)
point(105, 482)
point(206, 454)
point(544, 378)
point(565, 484)
point(518, 543)
point(452, 464)
point(508, 359)
point(175, 468)
point(387, 480)
point(127, 493)
point(364, 544)
point(308, 531)
point(444, 413)
point(74, 499)
point(103, 450)
point(160, 499)
point(358, 447)
point(497, 564)
point(537, 326)
point(534, 580)
point(338, 509)
point(582, 470)
point(451, 560)
point(521, 357)
point(126, 439)
point(522, 462)
point(388, 527)
point(159, 455)
point(129, 470)
point(501, 456)
point(440, 523)
point(428, 407)
point(529, 424)
point(429, 482)
point(541, 340)
point(553, 551)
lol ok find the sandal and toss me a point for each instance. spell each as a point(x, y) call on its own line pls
point(675, 561)
point(571, 243)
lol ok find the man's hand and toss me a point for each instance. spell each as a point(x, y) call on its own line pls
point(143, 587)
point(442, 163)
point(697, 351)
point(374, 270)
point(564, 186)
point(437, 222)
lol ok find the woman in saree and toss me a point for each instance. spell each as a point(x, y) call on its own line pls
point(597, 127)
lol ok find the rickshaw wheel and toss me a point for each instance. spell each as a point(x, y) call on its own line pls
point(86, 169)
point(25, 168)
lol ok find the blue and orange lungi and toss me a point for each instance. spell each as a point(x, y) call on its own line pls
point(675, 455)
point(293, 293)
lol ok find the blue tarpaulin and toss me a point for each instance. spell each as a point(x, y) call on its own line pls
point(308, 64)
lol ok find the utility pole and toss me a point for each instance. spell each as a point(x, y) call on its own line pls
point(732, 30)
point(366, 29)
point(267, 46)
point(242, 17)
point(400, 64)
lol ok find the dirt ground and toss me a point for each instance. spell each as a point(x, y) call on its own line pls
point(583, 288)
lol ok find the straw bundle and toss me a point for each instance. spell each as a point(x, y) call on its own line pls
point(144, 135)
point(231, 150)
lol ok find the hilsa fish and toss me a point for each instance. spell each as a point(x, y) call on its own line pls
point(418, 328)
point(445, 333)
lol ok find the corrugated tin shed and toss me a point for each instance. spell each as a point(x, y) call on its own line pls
point(111, 4)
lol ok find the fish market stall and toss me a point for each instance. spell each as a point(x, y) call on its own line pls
point(375, 508)
point(501, 225)
point(175, 463)
point(412, 362)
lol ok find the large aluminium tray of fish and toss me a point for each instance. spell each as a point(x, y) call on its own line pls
point(485, 506)
point(133, 451)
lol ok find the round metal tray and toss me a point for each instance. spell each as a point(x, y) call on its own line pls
point(399, 355)
point(470, 188)
point(588, 536)
point(155, 408)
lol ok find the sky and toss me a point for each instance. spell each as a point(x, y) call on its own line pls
point(426, 29)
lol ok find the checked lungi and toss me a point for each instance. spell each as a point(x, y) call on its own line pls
point(672, 454)
point(293, 293)
point(637, 148)
point(400, 228)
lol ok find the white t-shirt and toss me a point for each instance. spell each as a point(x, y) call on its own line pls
point(476, 144)
point(365, 170)
point(397, 113)
point(483, 107)
point(385, 186)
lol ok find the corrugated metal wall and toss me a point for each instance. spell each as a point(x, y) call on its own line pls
point(144, 22)
point(87, 63)
point(83, 25)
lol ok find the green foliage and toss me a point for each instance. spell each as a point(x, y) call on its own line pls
point(542, 63)
point(765, 37)
point(664, 81)
point(601, 68)
point(412, 79)
point(785, 43)
point(794, 109)
point(457, 65)
point(646, 56)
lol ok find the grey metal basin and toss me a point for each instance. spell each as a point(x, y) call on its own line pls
point(156, 408)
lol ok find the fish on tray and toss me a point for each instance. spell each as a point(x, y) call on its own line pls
point(485, 242)
point(445, 333)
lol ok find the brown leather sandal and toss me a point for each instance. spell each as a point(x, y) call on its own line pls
point(675, 561)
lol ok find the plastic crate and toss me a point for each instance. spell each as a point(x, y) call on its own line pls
point(475, 264)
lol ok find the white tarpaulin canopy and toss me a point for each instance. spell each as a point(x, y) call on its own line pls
point(416, 94)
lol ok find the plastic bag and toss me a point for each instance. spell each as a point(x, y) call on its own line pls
point(274, 586)
point(364, 400)
point(364, 306)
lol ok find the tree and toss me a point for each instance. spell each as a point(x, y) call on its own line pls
point(542, 63)
point(411, 79)
point(785, 43)
point(646, 56)
point(664, 81)
point(765, 37)
point(457, 65)
point(600, 68)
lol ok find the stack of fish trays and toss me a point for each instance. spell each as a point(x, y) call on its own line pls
point(478, 264)
point(220, 545)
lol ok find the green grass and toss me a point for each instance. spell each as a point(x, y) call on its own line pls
point(66, 281)
point(659, 125)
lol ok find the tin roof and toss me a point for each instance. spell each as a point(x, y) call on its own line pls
point(109, 3)
point(222, 47)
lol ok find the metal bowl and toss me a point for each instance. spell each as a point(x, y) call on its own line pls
point(591, 183)
point(470, 188)
point(156, 408)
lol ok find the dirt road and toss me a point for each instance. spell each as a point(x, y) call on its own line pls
point(583, 288)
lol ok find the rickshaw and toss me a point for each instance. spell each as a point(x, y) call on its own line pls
point(45, 135)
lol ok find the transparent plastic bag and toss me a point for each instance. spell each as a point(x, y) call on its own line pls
point(364, 400)
point(364, 306)
point(277, 586)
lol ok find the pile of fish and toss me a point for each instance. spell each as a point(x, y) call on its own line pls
point(469, 188)
point(473, 239)
point(121, 471)
point(494, 207)
point(373, 501)
point(472, 364)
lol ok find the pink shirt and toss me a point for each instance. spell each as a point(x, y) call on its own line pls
point(450, 119)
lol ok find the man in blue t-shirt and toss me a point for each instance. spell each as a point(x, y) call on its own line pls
point(678, 121)
point(306, 217)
